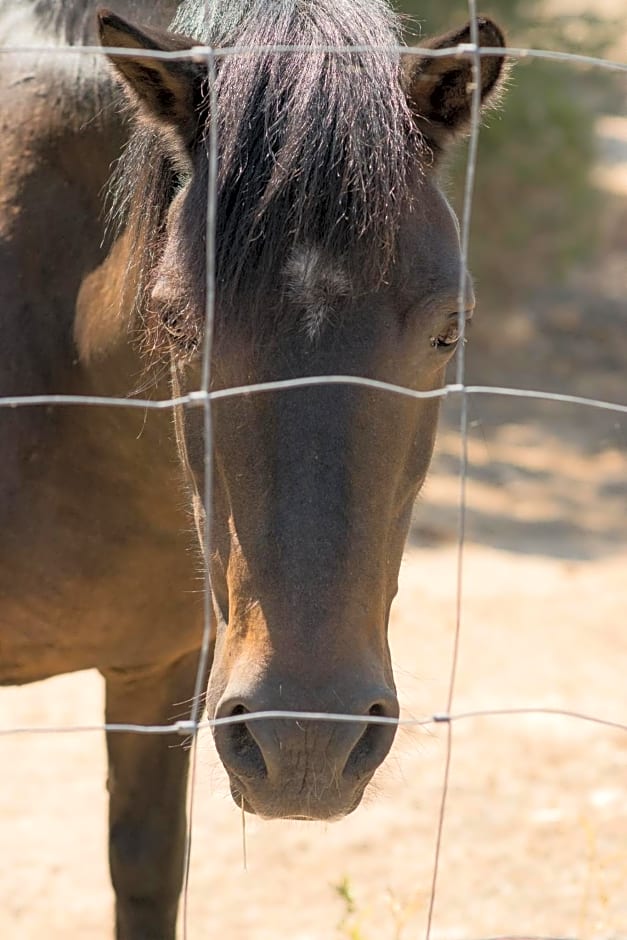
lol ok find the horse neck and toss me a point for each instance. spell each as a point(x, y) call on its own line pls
point(106, 330)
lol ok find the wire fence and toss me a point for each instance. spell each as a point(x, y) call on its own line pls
point(203, 397)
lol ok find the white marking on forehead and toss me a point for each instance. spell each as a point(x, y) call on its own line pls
point(316, 284)
point(308, 268)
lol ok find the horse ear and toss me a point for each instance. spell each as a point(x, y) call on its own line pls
point(439, 90)
point(167, 91)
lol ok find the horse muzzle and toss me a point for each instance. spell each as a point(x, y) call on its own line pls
point(302, 768)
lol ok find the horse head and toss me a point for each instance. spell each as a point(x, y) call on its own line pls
point(336, 254)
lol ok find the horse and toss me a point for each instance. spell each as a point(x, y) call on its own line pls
point(336, 253)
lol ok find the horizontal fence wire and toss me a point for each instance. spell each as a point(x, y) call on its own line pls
point(203, 398)
point(199, 399)
point(463, 50)
point(184, 727)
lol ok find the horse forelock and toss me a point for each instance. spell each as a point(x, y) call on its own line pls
point(315, 149)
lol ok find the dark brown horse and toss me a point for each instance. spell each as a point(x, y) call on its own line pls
point(336, 253)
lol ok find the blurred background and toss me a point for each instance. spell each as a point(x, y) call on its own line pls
point(536, 821)
point(551, 190)
point(548, 242)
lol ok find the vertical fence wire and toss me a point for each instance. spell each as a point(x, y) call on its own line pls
point(462, 303)
point(207, 355)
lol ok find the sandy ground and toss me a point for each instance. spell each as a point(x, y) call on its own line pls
point(535, 834)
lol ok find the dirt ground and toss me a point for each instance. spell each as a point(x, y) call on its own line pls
point(535, 833)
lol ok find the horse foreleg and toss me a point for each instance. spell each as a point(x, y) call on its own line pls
point(147, 790)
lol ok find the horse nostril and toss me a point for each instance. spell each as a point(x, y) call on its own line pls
point(244, 749)
point(372, 746)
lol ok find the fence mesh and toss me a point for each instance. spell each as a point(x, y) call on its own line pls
point(203, 397)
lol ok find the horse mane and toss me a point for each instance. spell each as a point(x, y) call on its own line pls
point(316, 151)
point(73, 22)
point(69, 22)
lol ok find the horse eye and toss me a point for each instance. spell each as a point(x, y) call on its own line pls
point(448, 337)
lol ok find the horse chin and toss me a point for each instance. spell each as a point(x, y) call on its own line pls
point(278, 808)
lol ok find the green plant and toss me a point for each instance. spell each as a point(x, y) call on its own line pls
point(402, 910)
point(349, 925)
